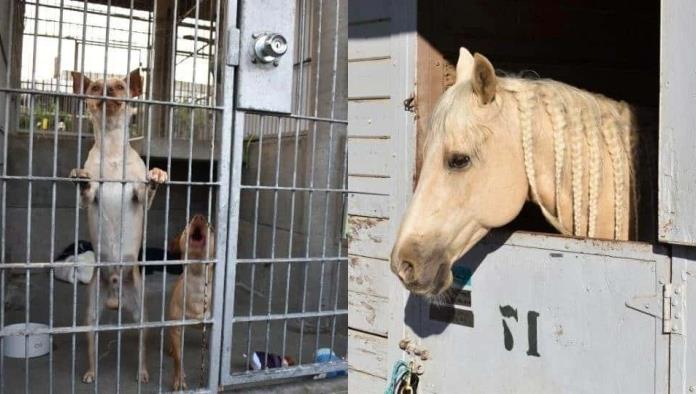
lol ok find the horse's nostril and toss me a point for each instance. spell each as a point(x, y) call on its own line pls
point(406, 271)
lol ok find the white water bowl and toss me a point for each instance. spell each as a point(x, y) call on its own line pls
point(37, 345)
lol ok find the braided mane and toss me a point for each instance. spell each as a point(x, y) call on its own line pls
point(594, 125)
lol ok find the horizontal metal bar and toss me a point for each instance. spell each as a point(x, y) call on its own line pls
point(293, 116)
point(289, 316)
point(308, 189)
point(107, 98)
point(290, 372)
point(34, 178)
point(104, 327)
point(290, 260)
point(58, 264)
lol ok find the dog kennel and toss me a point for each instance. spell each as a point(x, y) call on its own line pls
point(243, 105)
point(535, 312)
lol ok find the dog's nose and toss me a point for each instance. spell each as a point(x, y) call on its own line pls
point(114, 280)
point(109, 91)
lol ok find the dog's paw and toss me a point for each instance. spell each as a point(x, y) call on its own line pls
point(143, 376)
point(158, 176)
point(179, 383)
point(88, 377)
point(79, 173)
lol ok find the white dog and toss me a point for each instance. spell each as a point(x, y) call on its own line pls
point(120, 235)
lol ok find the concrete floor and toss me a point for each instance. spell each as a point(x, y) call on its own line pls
point(68, 362)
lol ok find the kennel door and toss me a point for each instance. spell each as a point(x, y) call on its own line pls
point(545, 314)
point(285, 259)
point(677, 174)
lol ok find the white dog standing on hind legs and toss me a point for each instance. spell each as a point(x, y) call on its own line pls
point(120, 236)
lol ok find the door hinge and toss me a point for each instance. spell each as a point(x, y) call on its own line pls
point(668, 307)
point(233, 46)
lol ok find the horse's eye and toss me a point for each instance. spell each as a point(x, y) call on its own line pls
point(458, 161)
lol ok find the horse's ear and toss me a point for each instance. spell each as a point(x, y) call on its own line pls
point(465, 65)
point(483, 79)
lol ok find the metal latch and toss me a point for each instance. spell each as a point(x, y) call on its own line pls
point(668, 307)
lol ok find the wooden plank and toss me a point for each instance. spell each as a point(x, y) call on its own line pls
point(369, 79)
point(368, 313)
point(361, 11)
point(360, 382)
point(369, 157)
point(677, 174)
point(369, 276)
point(369, 184)
point(369, 118)
point(367, 353)
point(369, 237)
point(369, 40)
point(369, 205)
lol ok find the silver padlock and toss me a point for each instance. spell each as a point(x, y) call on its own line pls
point(269, 47)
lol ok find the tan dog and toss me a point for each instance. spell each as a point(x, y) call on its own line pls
point(196, 242)
point(115, 211)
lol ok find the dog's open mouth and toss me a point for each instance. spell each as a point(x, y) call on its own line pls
point(197, 236)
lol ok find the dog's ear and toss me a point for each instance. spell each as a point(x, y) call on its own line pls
point(136, 83)
point(80, 83)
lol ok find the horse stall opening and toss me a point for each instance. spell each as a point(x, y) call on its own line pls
point(529, 312)
point(207, 234)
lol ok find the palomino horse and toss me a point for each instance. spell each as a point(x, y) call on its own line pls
point(495, 143)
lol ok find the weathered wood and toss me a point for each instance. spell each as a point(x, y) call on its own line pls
point(369, 118)
point(367, 353)
point(369, 237)
point(369, 41)
point(677, 173)
point(369, 205)
point(364, 81)
point(360, 382)
point(370, 276)
point(369, 157)
point(368, 313)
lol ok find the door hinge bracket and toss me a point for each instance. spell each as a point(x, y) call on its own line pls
point(233, 46)
point(668, 307)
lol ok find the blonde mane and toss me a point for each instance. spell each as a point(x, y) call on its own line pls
point(586, 127)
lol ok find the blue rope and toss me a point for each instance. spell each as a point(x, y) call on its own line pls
point(399, 373)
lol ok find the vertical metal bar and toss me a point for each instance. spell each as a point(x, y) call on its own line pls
point(328, 172)
point(311, 178)
point(8, 98)
point(124, 182)
point(81, 105)
point(274, 232)
point(141, 339)
point(298, 122)
point(227, 213)
point(53, 202)
point(29, 203)
point(252, 285)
